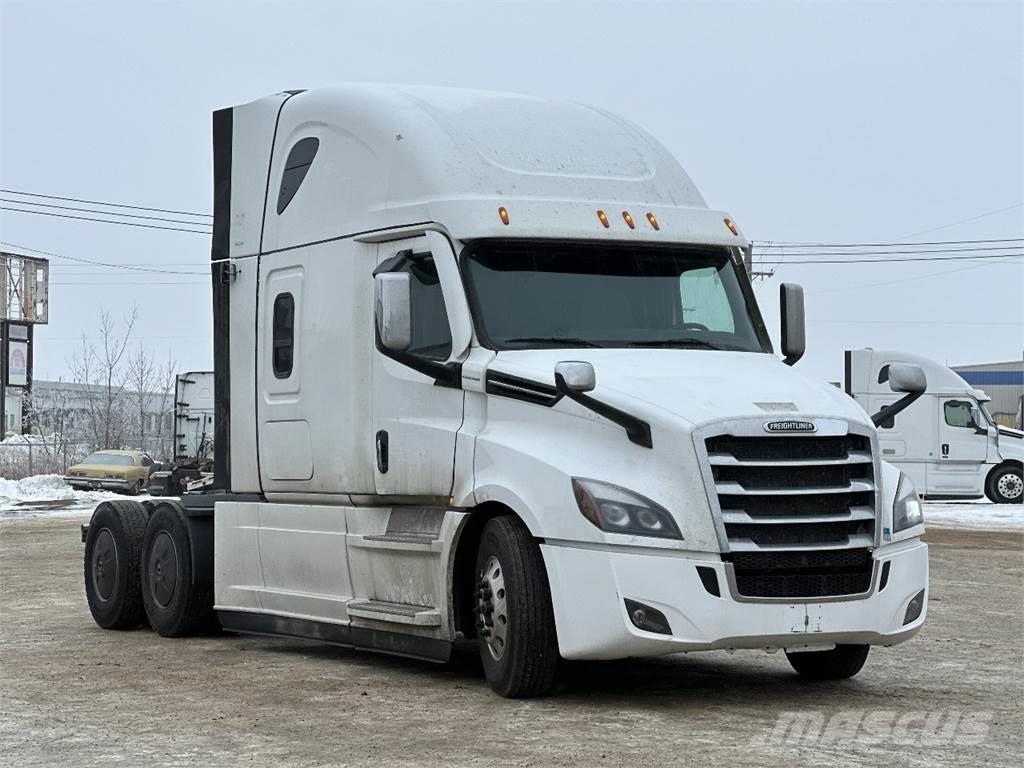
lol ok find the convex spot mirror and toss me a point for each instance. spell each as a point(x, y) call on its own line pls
point(578, 376)
point(393, 310)
point(794, 337)
point(907, 378)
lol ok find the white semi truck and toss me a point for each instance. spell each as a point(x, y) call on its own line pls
point(946, 442)
point(192, 460)
point(488, 368)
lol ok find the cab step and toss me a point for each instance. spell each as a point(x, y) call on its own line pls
point(395, 613)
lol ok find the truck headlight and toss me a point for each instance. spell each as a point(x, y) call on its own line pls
point(616, 510)
point(906, 510)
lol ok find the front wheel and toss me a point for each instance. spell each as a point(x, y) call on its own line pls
point(841, 662)
point(1005, 485)
point(515, 622)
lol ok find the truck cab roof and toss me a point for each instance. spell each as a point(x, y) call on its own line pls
point(359, 157)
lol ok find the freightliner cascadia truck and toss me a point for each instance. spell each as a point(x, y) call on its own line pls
point(488, 368)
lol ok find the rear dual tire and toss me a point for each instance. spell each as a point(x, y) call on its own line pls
point(113, 551)
point(176, 604)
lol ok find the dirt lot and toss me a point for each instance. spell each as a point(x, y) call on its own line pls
point(72, 694)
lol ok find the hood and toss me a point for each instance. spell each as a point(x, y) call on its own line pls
point(697, 385)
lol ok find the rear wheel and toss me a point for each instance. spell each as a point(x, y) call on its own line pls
point(840, 662)
point(1005, 485)
point(113, 550)
point(515, 622)
point(176, 606)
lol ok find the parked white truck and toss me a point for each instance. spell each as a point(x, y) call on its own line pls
point(192, 459)
point(946, 442)
point(488, 368)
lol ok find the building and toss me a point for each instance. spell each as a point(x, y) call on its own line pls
point(79, 414)
point(1004, 383)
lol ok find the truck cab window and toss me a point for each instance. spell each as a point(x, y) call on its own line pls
point(958, 413)
point(704, 301)
point(431, 335)
point(551, 294)
point(283, 335)
point(295, 169)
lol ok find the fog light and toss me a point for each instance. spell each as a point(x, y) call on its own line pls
point(914, 608)
point(647, 618)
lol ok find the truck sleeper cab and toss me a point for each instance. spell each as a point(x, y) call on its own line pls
point(947, 442)
point(488, 368)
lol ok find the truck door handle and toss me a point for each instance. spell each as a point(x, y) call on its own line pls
point(945, 450)
point(382, 452)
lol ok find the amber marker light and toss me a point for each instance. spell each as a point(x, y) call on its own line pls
point(503, 215)
point(629, 220)
point(603, 217)
point(653, 221)
point(730, 225)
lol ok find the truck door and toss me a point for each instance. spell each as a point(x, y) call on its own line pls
point(958, 468)
point(415, 416)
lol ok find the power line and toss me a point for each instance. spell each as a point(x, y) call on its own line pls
point(109, 205)
point(895, 260)
point(109, 221)
point(962, 221)
point(99, 263)
point(804, 244)
point(105, 213)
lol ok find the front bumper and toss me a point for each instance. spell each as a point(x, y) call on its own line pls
point(96, 483)
point(588, 587)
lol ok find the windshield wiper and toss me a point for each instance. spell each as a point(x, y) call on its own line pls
point(557, 341)
point(678, 343)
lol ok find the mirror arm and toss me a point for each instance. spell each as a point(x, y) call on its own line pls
point(638, 430)
point(792, 359)
point(443, 374)
point(892, 409)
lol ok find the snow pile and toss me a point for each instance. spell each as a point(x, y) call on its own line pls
point(973, 514)
point(46, 494)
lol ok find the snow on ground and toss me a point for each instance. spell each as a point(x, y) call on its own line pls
point(49, 495)
point(972, 514)
point(46, 495)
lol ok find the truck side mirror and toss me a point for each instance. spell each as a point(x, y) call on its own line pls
point(980, 422)
point(578, 376)
point(794, 337)
point(907, 378)
point(902, 378)
point(393, 310)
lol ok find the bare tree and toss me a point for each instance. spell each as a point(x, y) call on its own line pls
point(166, 378)
point(99, 367)
point(141, 379)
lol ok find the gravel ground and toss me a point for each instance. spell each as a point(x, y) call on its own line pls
point(74, 695)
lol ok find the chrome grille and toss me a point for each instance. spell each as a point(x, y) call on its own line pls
point(798, 512)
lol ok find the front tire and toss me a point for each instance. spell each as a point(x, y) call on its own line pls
point(1005, 485)
point(515, 622)
point(176, 605)
point(113, 550)
point(841, 662)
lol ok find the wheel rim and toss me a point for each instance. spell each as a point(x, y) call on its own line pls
point(492, 608)
point(104, 565)
point(163, 569)
point(1010, 486)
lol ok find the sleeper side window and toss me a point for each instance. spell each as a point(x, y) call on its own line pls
point(283, 335)
point(295, 169)
point(431, 335)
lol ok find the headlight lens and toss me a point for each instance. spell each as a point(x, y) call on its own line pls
point(616, 510)
point(906, 510)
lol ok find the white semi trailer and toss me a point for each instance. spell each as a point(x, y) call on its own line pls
point(488, 368)
point(947, 442)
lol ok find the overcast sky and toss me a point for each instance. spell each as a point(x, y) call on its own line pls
point(818, 122)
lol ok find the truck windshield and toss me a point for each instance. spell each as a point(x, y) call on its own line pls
point(530, 294)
